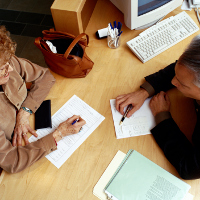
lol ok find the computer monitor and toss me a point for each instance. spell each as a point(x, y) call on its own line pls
point(140, 14)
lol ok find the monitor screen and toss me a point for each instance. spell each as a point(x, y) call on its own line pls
point(145, 6)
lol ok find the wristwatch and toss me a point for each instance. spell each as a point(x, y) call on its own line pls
point(27, 110)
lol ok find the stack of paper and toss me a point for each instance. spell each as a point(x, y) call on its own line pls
point(144, 185)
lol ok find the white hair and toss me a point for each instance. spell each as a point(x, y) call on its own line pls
point(191, 59)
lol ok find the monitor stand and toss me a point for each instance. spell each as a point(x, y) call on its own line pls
point(149, 24)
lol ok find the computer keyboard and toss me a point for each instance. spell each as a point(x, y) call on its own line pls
point(162, 36)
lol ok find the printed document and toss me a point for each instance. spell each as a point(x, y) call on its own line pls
point(140, 123)
point(66, 146)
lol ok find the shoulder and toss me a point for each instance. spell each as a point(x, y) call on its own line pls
point(22, 65)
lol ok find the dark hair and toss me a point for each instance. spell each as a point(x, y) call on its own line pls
point(191, 58)
point(7, 46)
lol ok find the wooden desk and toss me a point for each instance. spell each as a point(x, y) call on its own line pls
point(116, 71)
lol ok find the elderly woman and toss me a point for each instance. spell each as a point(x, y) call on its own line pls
point(17, 105)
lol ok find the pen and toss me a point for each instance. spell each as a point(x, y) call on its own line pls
point(124, 116)
point(120, 33)
point(119, 26)
point(115, 24)
point(110, 31)
point(76, 120)
point(111, 26)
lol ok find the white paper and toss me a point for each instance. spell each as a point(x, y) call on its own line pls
point(185, 5)
point(140, 123)
point(98, 190)
point(66, 146)
point(188, 196)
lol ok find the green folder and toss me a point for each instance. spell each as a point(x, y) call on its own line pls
point(138, 178)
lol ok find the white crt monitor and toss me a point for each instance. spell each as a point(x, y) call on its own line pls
point(140, 14)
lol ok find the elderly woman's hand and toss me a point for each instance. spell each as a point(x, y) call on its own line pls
point(68, 128)
point(22, 127)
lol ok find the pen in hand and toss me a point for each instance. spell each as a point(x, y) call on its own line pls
point(76, 120)
point(126, 112)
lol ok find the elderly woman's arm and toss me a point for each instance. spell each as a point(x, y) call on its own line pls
point(42, 81)
point(15, 159)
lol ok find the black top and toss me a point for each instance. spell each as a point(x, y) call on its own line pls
point(184, 156)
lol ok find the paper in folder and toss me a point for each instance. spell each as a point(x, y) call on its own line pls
point(138, 178)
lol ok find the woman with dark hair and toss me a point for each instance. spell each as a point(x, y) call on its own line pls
point(185, 76)
point(17, 105)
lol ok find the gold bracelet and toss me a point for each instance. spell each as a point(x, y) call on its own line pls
point(60, 133)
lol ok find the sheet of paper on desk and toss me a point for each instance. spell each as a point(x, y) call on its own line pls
point(66, 147)
point(185, 5)
point(140, 123)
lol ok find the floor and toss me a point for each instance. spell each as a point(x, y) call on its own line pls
point(25, 19)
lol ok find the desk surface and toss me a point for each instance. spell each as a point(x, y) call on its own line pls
point(116, 71)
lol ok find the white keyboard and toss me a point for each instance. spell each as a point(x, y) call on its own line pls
point(162, 36)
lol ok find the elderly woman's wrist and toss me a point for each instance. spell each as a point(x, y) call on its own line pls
point(24, 113)
point(57, 134)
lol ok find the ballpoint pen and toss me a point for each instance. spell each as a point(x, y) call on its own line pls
point(76, 120)
point(115, 24)
point(119, 26)
point(126, 112)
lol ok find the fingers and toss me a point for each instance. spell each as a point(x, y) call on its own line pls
point(167, 98)
point(78, 125)
point(130, 113)
point(33, 132)
point(123, 105)
point(74, 117)
point(68, 127)
point(162, 95)
point(119, 100)
point(136, 99)
point(14, 140)
point(24, 135)
point(21, 133)
point(81, 121)
point(160, 103)
point(19, 140)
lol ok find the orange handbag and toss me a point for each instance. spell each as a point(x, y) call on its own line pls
point(71, 59)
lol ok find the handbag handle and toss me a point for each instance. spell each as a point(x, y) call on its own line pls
point(52, 34)
point(39, 41)
point(71, 46)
